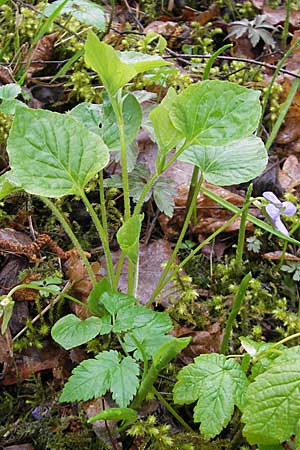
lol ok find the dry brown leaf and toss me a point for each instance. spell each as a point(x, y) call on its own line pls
point(76, 272)
point(166, 29)
point(6, 350)
point(32, 361)
point(207, 341)
point(289, 175)
point(290, 130)
point(277, 255)
point(293, 61)
point(19, 447)
point(277, 16)
point(151, 258)
point(41, 52)
point(5, 75)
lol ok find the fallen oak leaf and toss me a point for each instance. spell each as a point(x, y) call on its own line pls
point(42, 51)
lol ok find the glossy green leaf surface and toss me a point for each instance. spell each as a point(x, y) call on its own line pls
point(89, 115)
point(217, 384)
point(150, 336)
point(105, 61)
point(6, 186)
point(216, 112)
point(128, 237)
point(142, 62)
point(167, 352)
point(53, 154)
point(84, 11)
point(115, 414)
point(233, 163)
point(10, 90)
point(272, 403)
point(94, 377)
point(70, 331)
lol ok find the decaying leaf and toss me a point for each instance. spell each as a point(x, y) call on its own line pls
point(151, 259)
point(290, 130)
point(289, 175)
point(32, 361)
point(76, 272)
point(206, 341)
point(6, 75)
point(42, 51)
point(277, 16)
point(6, 351)
point(277, 255)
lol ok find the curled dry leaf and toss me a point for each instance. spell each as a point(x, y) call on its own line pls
point(166, 29)
point(76, 272)
point(42, 51)
point(206, 341)
point(289, 175)
point(277, 255)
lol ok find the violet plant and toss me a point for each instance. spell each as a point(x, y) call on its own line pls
point(211, 125)
point(275, 209)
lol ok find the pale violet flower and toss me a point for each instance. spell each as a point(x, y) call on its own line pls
point(275, 208)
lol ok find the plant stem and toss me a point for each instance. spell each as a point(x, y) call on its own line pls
point(212, 59)
point(102, 205)
point(102, 235)
point(199, 247)
point(285, 30)
point(242, 230)
point(71, 235)
point(172, 410)
point(234, 311)
point(283, 111)
point(117, 107)
point(276, 72)
point(44, 288)
point(178, 244)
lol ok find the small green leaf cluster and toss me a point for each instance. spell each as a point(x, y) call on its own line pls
point(267, 398)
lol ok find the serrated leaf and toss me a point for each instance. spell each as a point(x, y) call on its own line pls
point(106, 62)
point(70, 331)
point(89, 115)
point(114, 301)
point(124, 381)
point(91, 378)
point(164, 194)
point(84, 11)
point(53, 154)
point(128, 237)
point(272, 404)
point(216, 112)
point(218, 384)
point(233, 163)
point(167, 136)
point(127, 414)
point(167, 352)
point(150, 336)
point(132, 317)
point(10, 90)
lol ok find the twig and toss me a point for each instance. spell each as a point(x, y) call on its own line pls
point(43, 312)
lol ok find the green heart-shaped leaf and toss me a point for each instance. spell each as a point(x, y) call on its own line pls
point(70, 331)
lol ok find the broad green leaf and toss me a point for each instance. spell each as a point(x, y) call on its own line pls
point(233, 163)
point(164, 194)
point(128, 237)
point(91, 378)
point(150, 336)
point(217, 384)
point(106, 62)
point(94, 377)
point(89, 115)
point(142, 62)
point(53, 154)
point(70, 331)
point(127, 414)
point(124, 381)
point(9, 106)
point(216, 112)
point(114, 301)
point(6, 187)
point(132, 317)
point(272, 404)
point(167, 136)
point(10, 90)
point(85, 11)
point(167, 352)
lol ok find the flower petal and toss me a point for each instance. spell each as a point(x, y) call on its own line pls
point(272, 211)
point(279, 226)
point(271, 197)
point(288, 208)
